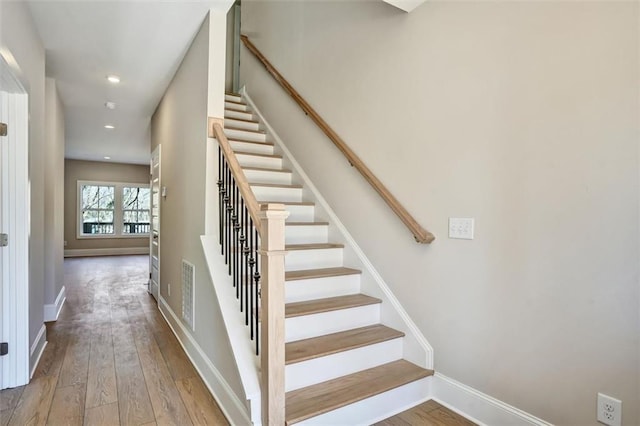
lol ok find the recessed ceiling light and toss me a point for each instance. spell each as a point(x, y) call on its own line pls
point(113, 78)
point(110, 105)
point(109, 126)
point(107, 158)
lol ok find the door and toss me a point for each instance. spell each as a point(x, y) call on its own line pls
point(14, 230)
point(154, 238)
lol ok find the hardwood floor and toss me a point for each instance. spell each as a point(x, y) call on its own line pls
point(428, 414)
point(111, 358)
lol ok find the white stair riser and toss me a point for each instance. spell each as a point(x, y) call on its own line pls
point(229, 113)
point(306, 234)
point(307, 326)
point(232, 98)
point(376, 408)
point(240, 124)
point(300, 213)
point(256, 148)
point(236, 107)
point(262, 176)
point(329, 367)
point(320, 288)
point(266, 193)
point(258, 161)
point(245, 135)
point(297, 260)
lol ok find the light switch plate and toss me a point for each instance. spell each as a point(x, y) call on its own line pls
point(461, 228)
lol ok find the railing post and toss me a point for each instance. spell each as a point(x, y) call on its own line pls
point(272, 217)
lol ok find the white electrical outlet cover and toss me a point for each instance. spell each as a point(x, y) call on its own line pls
point(609, 410)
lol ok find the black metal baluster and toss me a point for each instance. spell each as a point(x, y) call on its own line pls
point(228, 220)
point(256, 277)
point(220, 171)
point(241, 239)
point(244, 256)
point(252, 263)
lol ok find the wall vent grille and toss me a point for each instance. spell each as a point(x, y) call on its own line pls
point(188, 296)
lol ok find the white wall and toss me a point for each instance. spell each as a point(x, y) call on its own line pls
point(54, 193)
point(18, 35)
point(523, 115)
point(179, 125)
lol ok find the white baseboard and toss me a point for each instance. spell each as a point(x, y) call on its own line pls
point(232, 407)
point(477, 406)
point(106, 252)
point(37, 349)
point(52, 311)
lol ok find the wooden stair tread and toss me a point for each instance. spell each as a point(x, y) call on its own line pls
point(244, 130)
point(233, 94)
point(234, 102)
point(303, 350)
point(242, 119)
point(275, 185)
point(226, 108)
point(257, 155)
point(302, 404)
point(307, 274)
point(329, 304)
point(289, 203)
point(266, 169)
point(246, 141)
point(313, 246)
point(306, 223)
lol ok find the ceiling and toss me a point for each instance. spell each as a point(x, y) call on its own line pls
point(142, 42)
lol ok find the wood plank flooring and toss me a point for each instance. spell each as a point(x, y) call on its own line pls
point(111, 358)
point(428, 414)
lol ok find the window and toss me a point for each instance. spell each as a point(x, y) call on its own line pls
point(98, 204)
point(135, 210)
point(113, 210)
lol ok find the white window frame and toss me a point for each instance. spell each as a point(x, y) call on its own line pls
point(118, 212)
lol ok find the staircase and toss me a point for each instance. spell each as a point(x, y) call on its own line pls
point(342, 365)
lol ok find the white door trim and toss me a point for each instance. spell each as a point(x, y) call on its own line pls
point(154, 232)
point(15, 210)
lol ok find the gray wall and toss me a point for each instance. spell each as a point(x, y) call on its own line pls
point(76, 170)
point(19, 35)
point(54, 193)
point(523, 115)
point(179, 125)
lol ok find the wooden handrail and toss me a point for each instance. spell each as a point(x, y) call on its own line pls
point(419, 233)
point(216, 131)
